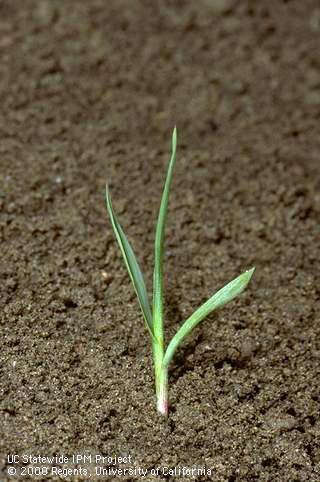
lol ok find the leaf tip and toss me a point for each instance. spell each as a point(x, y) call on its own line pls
point(174, 138)
point(108, 198)
point(249, 273)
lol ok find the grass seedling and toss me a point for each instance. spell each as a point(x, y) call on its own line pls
point(153, 317)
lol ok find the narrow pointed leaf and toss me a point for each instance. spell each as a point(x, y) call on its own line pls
point(131, 264)
point(219, 299)
point(159, 244)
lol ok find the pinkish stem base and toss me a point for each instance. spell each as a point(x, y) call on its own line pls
point(162, 395)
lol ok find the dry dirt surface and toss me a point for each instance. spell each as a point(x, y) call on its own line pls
point(90, 90)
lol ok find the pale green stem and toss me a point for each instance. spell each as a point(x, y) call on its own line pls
point(161, 379)
point(158, 353)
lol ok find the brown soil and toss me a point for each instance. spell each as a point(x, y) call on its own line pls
point(91, 90)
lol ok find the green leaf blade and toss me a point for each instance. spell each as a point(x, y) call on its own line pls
point(218, 300)
point(132, 265)
point(159, 245)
